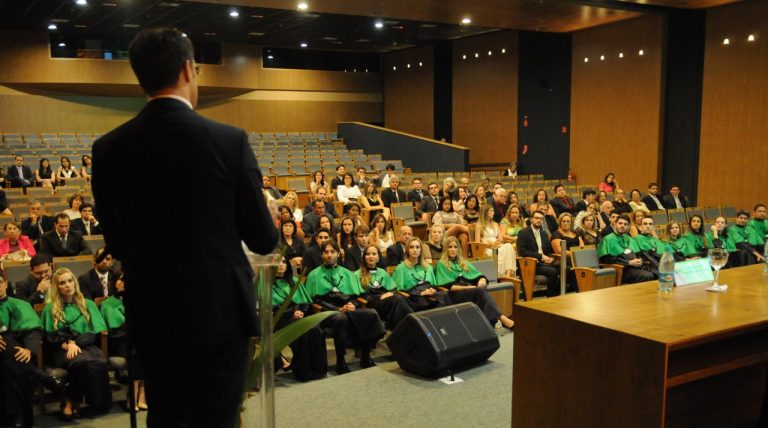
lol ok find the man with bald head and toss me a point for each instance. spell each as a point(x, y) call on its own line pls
point(396, 251)
point(500, 204)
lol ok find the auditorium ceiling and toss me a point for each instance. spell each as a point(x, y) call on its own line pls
point(325, 24)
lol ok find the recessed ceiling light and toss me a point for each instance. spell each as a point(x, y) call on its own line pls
point(503, 50)
point(408, 65)
point(477, 55)
point(62, 44)
point(420, 64)
point(490, 53)
point(183, 34)
point(270, 57)
point(602, 57)
point(303, 45)
point(52, 27)
point(751, 38)
point(378, 24)
point(466, 21)
point(234, 14)
point(726, 41)
point(463, 57)
point(586, 59)
point(394, 67)
point(621, 54)
point(302, 6)
point(641, 52)
point(81, 2)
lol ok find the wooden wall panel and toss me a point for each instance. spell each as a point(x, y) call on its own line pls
point(409, 92)
point(734, 120)
point(616, 102)
point(485, 96)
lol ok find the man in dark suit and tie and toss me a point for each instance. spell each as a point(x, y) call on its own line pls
point(587, 197)
point(61, 241)
point(561, 202)
point(87, 223)
point(393, 194)
point(534, 242)
point(201, 310)
point(396, 251)
point(19, 174)
point(652, 200)
point(99, 281)
point(431, 202)
point(675, 199)
point(37, 223)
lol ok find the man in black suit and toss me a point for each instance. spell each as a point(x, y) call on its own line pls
point(610, 223)
point(675, 200)
point(19, 174)
point(61, 241)
point(322, 194)
point(311, 222)
point(396, 251)
point(202, 310)
point(339, 179)
point(431, 202)
point(37, 223)
point(534, 242)
point(587, 197)
point(393, 194)
point(313, 257)
point(500, 204)
point(99, 281)
point(417, 194)
point(273, 191)
point(561, 202)
point(354, 258)
point(35, 288)
point(87, 223)
point(652, 198)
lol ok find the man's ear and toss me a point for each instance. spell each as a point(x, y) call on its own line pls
point(187, 72)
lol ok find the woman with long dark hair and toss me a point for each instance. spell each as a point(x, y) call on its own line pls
point(698, 243)
point(381, 290)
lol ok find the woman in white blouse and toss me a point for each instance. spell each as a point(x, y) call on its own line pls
point(67, 170)
point(348, 191)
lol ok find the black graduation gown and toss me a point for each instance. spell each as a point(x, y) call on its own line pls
point(18, 380)
point(310, 359)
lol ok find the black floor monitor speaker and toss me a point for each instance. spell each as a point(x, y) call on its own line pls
point(430, 343)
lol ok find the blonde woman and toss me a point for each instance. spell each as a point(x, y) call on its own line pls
point(417, 278)
point(565, 232)
point(291, 200)
point(488, 232)
point(72, 327)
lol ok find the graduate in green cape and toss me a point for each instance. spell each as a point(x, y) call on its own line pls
point(747, 239)
point(20, 338)
point(381, 290)
point(335, 288)
point(72, 327)
point(310, 360)
point(720, 237)
point(676, 244)
point(759, 224)
point(697, 242)
point(651, 248)
point(619, 248)
point(113, 312)
point(465, 283)
point(415, 277)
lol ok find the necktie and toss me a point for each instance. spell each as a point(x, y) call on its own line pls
point(537, 235)
point(397, 197)
point(64, 241)
point(104, 285)
point(437, 204)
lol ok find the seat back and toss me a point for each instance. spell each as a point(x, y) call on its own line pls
point(678, 215)
point(691, 211)
point(77, 264)
point(660, 217)
point(402, 210)
point(711, 214)
point(585, 258)
point(729, 211)
point(488, 268)
point(94, 242)
point(15, 271)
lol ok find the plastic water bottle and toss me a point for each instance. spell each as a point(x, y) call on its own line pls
point(666, 272)
point(765, 256)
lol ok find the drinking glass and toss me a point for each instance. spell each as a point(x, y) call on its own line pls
point(718, 257)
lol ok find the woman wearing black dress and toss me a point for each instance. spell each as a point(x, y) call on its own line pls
point(292, 246)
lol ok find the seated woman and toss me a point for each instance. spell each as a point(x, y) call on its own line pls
point(511, 225)
point(86, 168)
point(471, 209)
point(449, 188)
point(285, 214)
point(675, 242)
point(20, 337)
point(602, 196)
point(460, 203)
point(74, 202)
point(488, 232)
point(433, 248)
point(310, 360)
point(65, 171)
point(381, 235)
point(291, 200)
point(353, 212)
point(636, 218)
point(620, 202)
point(565, 232)
point(372, 201)
point(113, 312)
point(467, 284)
point(609, 184)
point(698, 243)
point(416, 278)
point(454, 224)
point(541, 196)
point(44, 175)
point(15, 246)
point(636, 202)
point(348, 191)
point(326, 221)
point(318, 181)
point(292, 246)
point(585, 227)
point(335, 288)
point(480, 195)
point(514, 201)
point(381, 290)
point(720, 237)
point(346, 236)
point(72, 325)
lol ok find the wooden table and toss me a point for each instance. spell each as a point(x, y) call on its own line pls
point(631, 356)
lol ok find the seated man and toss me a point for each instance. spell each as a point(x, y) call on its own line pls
point(393, 194)
point(396, 251)
point(35, 288)
point(267, 182)
point(747, 240)
point(353, 257)
point(533, 241)
point(651, 248)
point(429, 203)
point(19, 174)
point(619, 248)
point(760, 225)
point(99, 281)
point(339, 179)
point(387, 177)
point(561, 202)
point(587, 197)
point(652, 198)
point(311, 221)
point(313, 256)
point(62, 242)
point(37, 223)
point(500, 204)
point(323, 195)
point(674, 199)
point(87, 223)
point(610, 223)
point(550, 222)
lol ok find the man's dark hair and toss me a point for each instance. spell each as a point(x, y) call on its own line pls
point(39, 259)
point(316, 201)
point(759, 206)
point(587, 192)
point(85, 205)
point(361, 228)
point(101, 254)
point(340, 166)
point(557, 186)
point(390, 167)
point(60, 216)
point(742, 213)
point(332, 243)
point(157, 57)
point(616, 212)
point(623, 217)
point(652, 184)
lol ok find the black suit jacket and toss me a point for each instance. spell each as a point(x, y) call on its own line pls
point(353, 259)
point(79, 225)
point(50, 243)
point(27, 290)
point(91, 286)
point(15, 179)
point(526, 244)
point(427, 204)
point(561, 206)
point(388, 197)
point(208, 298)
point(413, 196)
point(669, 201)
point(579, 206)
point(33, 231)
point(395, 254)
point(651, 204)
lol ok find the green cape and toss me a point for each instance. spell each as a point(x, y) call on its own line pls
point(322, 280)
point(650, 243)
point(447, 276)
point(760, 228)
point(113, 312)
point(18, 315)
point(745, 234)
point(74, 319)
point(728, 244)
point(615, 245)
point(379, 276)
point(407, 278)
point(696, 243)
point(282, 289)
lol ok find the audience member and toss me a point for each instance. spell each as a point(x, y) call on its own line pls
point(416, 194)
point(676, 243)
point(499, 204)
point(514, 201)
point(393, 194)
point(318, 181)
point(381, 234)
point(86, 169)
point(380, 290)
point(561, 203)
point(619, 248)
point(292, 246)
point(99, 281)
point(652, 200)
point(61, 241)
point(650, 247)
point(15, 246)
point(430, 203)
point(346, 235)
point(489, 233)
point(454, 223)
point(87, 223)
point(74, 202)
point(586, 227)
point(311, 221)
point(339, 179)
point(266, 183)
point(396, 252)
point(37, 285)
point(675, 200)
point(37, 223)
point(471, 209)
point(696, 237)
point(620, 202)
point(759, 222)
point(636, 202)
point(19, 174)
point(532, 241)
point(354, 257)
point(417, 278)
point(44, 175)
point(313, 256)
point(387, 177)
point(746, 239)
point(587, 197)
point(609, 183)
point(432, 250)
point(291, 200)
point(372, 202)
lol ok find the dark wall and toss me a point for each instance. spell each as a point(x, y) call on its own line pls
point(419, 154)
point(544, 97)
point(443, 111)
point(683, 76)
